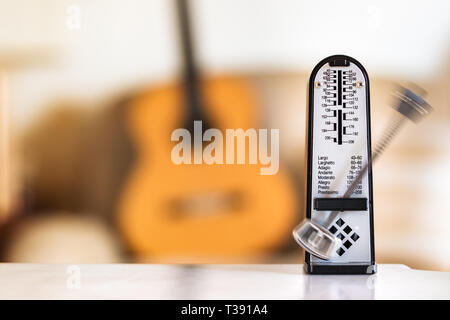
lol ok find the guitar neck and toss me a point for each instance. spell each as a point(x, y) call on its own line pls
point(190, 74)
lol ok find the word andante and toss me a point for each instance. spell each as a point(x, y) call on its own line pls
point(213, 152)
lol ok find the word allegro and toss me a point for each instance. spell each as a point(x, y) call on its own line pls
point(213, 152)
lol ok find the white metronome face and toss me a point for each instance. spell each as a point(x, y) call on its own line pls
point(339, 150)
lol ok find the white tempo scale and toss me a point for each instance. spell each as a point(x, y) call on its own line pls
point(339, 146)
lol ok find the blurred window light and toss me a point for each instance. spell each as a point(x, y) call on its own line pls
point(394, 38)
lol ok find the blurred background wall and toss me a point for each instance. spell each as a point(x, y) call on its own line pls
point(69, 69)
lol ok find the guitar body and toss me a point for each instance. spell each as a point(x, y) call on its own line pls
point(186, 213)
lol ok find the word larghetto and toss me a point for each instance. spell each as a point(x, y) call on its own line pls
point(213, 152)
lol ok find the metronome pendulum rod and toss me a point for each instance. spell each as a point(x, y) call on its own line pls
point(389, 133)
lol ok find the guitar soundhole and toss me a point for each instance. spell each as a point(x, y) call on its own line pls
point(205, 204)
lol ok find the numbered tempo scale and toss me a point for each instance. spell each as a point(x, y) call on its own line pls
point(339, 145)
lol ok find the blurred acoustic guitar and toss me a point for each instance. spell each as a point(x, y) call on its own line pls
point(185, 213)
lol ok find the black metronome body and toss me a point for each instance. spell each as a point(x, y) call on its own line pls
point(338, 148)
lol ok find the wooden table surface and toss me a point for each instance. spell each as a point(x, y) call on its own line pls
point(139, 281)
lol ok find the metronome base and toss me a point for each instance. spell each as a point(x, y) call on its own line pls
point(314, 268)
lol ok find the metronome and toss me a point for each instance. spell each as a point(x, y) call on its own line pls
point(338, 233)
point(339, 144)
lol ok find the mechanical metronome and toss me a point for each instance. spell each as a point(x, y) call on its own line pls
point(338, 233)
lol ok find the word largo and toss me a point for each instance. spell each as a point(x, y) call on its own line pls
point(213, 153)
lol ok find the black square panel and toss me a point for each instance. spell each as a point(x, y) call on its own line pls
point(347, 229)
point(340, 222)
point(340, 251)
point(340, 236)
point(347, 244)
point(332, 229)
point(354, 237)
